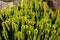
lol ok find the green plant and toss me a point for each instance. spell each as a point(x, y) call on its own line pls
point(29, 21)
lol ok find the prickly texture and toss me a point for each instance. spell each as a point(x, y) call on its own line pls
point(29, 21)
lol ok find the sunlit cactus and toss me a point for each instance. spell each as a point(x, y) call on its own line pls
point(35, 34)
point(31, 20)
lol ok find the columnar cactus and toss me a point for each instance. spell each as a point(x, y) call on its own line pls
point(30, 21)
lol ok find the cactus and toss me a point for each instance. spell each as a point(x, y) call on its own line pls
point(35, 34)
point(34, 21)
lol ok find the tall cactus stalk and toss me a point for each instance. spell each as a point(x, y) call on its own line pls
point(35, 34)
point(4, 32)
point(23, 32)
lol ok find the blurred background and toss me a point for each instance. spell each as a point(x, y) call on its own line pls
point(3, 3)
point(55, 4)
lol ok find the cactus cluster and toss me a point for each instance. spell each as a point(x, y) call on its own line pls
point(29, 21)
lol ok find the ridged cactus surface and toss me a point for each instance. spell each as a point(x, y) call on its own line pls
point(29, 21)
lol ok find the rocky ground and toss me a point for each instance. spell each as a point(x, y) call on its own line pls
point(3, 4)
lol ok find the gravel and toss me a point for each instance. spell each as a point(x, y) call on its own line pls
point(3, 4)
